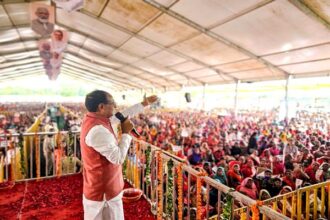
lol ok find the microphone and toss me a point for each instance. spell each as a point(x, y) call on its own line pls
point(121, 118)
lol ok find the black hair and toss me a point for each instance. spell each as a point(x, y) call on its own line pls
point(93, 99)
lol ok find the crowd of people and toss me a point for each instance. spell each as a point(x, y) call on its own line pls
point(56, 150)
point(253, 153)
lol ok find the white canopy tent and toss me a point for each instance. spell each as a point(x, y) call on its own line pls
point(169, 44)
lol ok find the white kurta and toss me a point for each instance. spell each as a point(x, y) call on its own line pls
point(104, 142)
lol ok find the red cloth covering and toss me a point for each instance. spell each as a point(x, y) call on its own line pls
point(311, 173)
point(57, 198)
point(289, 182)
point(278, 168)
point(250, 192)
point(246, 171)
point(234, 179)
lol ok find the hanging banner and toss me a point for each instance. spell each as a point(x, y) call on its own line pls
point(59, 40)
point(42, 19)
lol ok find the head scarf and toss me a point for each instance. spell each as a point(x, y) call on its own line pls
point(251, 192)
point(222, 178)
point(263, 191)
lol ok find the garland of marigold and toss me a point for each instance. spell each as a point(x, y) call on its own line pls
point(160, 187)
point(255, 210)
point(2, 165)
point(124, 168)
point(11, 181)
point(169, 199)
point(227, 213)
point(199, 199)
point(59, 154)
point(136, 168)
point(148, 159)
point(21, 150)
point(70, 146)
point(199, 194)
point(13, 161)
point(180, 191)
point(37, 155)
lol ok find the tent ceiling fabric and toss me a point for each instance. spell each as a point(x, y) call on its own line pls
point(167, 44)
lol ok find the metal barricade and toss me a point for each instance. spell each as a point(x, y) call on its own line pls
point(39, 155)
point(310, 202)
point(313, 201)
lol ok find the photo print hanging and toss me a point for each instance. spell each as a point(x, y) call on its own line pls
point(42, 19)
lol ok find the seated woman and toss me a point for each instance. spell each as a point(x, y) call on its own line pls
point(289, 179)
point(234, 175)
point(220, 176)
point(264, 195)
point(248, 169)
point(249, 188)
point(278, 166)
point(288, 202)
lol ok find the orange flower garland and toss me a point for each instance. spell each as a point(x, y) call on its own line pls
point(160, 187)
point(180, 192)
point(136, 168)
point(255, 210)
point(199, 197)
point(58, 154)
point(2, 165)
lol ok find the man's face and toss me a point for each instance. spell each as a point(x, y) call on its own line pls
point(106, 109)
point(42, 13)
point(58, 35)
point(277, 183)
point(268, 174)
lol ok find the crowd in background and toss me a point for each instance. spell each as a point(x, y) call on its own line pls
point(252, 152)
point(57, 151)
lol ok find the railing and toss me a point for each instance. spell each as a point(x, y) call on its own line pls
point(310, 202)
point(38, 155)
point(178, 191)
point(315, 200)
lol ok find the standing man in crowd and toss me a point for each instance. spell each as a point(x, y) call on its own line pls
point(103, 155)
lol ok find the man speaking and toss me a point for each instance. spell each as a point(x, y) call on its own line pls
point(103, 155)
